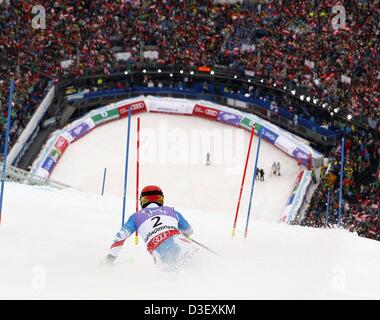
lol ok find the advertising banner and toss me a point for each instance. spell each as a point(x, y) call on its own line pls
point(54, 154)
point(229, 118)
point(296, 185)
point(205, 112)
point(105, 116)
point(79, 131)
point(89, 122)
point(285, 141)
point(297, 197)
point(285, 145)
point(174, 106)
point(137, 107)
point(299, 154)
point(49, 164)
point(61, 144)
point(247, 123)
point(268, 134)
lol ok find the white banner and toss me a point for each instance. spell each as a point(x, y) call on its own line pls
point(30, 128)
point(176, 106)
point(345, 79)
point(153, 55)
point(123, 56)
point(310, 64)
point(249, 73)
point(66, 63)
point(248, 47)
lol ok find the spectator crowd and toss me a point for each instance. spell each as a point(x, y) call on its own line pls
point(289, 43)
point(360, 211)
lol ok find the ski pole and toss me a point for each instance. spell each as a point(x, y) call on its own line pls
point(203, 246)
point(104, 180)
point(198, 243)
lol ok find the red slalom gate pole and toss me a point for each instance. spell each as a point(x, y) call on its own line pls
point(137, 174)
point(242, 182)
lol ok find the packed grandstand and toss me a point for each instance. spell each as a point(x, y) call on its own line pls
point(288, 44)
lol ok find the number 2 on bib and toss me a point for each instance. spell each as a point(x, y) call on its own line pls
point(157, 223)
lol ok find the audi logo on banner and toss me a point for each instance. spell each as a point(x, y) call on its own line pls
point(212, 113)
point(136, 107)
point(205, 112)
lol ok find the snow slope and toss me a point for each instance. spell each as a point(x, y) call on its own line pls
point(51, 241)
point(51, 249)
point(173, 156)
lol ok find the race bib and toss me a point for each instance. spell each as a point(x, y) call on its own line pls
point(155, 225)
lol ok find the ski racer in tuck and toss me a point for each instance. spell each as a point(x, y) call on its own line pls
point(163, 230)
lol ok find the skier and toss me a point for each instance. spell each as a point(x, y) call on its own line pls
point(257, 174)
point(208, 159)
point(278, 169)
point(163, 230)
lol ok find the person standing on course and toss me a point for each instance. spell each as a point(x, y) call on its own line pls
point(274, 169)
point(262, 173)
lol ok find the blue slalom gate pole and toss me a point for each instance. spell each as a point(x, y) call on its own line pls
point(6, 145)
point(327, 207)
point(126, 166)
point(104, 180)
point(341, 184)
point(253, 184)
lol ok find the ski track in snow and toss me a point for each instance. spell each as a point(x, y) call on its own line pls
point(52, 241)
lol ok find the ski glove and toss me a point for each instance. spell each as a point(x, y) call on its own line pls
point(110, 259)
